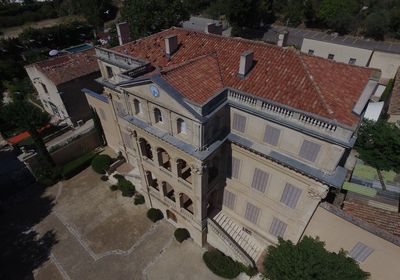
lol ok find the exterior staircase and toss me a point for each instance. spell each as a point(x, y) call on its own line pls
point(244, 245)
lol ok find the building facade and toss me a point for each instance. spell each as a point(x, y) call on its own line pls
point(237, 141)
point(58, 82)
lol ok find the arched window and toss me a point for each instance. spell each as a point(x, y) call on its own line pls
point(181, 126)
point(137, 106)
point(157, 115)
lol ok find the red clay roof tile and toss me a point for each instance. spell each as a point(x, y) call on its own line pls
point(206, 63)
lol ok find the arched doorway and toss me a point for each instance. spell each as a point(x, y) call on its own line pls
point(171, 216)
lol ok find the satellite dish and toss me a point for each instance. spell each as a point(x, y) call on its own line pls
point(53, 52)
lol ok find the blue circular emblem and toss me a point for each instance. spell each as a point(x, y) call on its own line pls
point(154, 91)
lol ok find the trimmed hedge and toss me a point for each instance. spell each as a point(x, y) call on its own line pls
point(126, 187)
point(100, 163)
point(221, 265)
point(74, 167)
point(139, 199)
point(154, 214)
point(181, 234)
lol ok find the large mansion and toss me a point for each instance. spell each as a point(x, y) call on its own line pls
point(237, 141)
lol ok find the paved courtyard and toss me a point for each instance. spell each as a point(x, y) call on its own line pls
point(102, 235)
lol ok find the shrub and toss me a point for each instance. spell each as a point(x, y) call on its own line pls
point(100, 163)
point(104, 178)
point(74, 167)
point(181, 234)
point(139, 199)
point(154, 214)
point(47, 176)
point(221, 265)
point(126, 187)
point(113, 188)
point(118, 176)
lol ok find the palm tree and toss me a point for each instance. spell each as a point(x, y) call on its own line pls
point(27, 116)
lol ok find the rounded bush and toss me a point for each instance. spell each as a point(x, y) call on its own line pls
point(221, 265)
point(139, 199)
point(154, 214)
point(104, 178)
point(100, 163)
point(181, 234)
point(126, 187)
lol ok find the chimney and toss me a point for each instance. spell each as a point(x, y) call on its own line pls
point(282, 39)
point(246, 62)
point(213, 28)
point(123, 32)
point(171, 45)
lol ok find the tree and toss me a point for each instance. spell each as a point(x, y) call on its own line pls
point(339, 14)
point(150, 16)
point(27, 116)
point(378, 144)
point(376, 25)
point(309, 259)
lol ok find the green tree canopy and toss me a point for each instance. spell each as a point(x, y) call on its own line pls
point(307, 260)
point(150, 16)
point(339, 14)
point(376, 25)
point(378, 144)
point(27, 116)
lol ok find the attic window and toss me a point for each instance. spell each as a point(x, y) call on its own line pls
point(331, 56)
point(110, 73)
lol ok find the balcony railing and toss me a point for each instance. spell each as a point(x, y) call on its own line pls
point(170, 202)
point(185, 213)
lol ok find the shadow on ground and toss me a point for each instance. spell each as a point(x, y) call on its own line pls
point(22, 250)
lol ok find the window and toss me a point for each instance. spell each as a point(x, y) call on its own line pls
point(45, 88)
point(120, 109)
point(311, 52)
point(229, 199)
point(252, 213)
point(309, 150)
point(260, 180)
point(239, 122)
point(360, 252)
point(127, 140)
point(157, 115)
point(290, 195)
point(102, 114)
point(331, 56)
point(235, 167)
point(181, 126)
point(352, 61)
point(137, 106)
point(110, 73)
point(277, 227)
point(271, 135)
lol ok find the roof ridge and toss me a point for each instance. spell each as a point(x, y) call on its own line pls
point(314, 83)
point(185, 63)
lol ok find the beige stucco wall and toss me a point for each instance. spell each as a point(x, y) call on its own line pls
point(383, 263)
point(290, 141)
point(387, 62)
point(342, 53)
point(52, 95)
point(269, 202)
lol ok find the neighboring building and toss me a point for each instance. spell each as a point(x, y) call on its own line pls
point(206, 25)
point(59, 80)
point(236, 140)
point(394, 105)
point(346, 49)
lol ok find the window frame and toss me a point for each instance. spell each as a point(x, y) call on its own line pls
point(331, 56)
point(158, 116)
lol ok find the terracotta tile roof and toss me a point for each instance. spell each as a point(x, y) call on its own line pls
point(394, 105)
point(68, 67)
point(304, 82)
point(384, 219)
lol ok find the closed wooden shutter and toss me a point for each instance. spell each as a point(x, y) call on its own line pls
point(277, 227)
point(229, 199)
point(271, 135)
point(239, 122)
point(252, 213)
point(260, 180)
point(309, 150)
point(290, 195)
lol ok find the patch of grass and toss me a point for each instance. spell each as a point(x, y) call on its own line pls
point(74, 167)
point(365, 172)
point(389, 176)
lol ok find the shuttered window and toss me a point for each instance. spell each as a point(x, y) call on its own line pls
point(127, 140)
point(120, 109)
point(239, 122)
point(360, 252)
point(271, 135)
point(235, 167)
point(309, 150)
point(251, 213)
point(229, 199)
point(260, 180)
point(290, 195)
point(277, 228)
